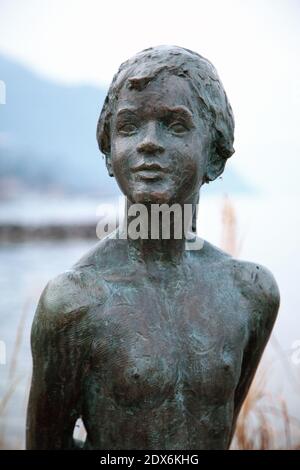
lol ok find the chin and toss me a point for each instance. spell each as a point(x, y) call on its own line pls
point(152, 197)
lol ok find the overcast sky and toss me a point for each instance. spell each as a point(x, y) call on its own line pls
point(253, 44)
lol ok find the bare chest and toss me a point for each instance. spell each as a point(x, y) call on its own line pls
point(153, 343)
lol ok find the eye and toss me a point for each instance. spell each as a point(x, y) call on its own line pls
point(177, 128)
point(127, 129)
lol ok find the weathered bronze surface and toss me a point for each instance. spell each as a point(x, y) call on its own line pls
point(152, 345)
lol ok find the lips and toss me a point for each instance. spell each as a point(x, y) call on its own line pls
point(148, 167)
point(149, 171)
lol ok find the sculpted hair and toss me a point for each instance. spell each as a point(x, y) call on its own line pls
point(138, 71)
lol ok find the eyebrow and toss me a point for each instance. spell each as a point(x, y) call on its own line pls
point(182, 111)
point(126, 111)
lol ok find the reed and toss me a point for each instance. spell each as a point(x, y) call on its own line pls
point(13, 378)
point(264, 421)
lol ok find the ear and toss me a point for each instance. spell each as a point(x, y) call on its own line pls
point(215, 167)
point(109, 165)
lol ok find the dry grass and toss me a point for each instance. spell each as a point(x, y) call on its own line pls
point(13, 378)
point(229, 235)
point(264, 421)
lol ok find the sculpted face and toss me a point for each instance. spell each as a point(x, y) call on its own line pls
point(159, 143)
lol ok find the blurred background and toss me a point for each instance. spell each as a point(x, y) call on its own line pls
point(57, 59)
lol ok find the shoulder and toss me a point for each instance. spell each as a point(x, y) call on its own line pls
point(256, 282)
point(260, 292)
point(63, 294)
point(255, 285)
point(109, 251)
point(83, 286)
point(253, 280)
point(68, 298)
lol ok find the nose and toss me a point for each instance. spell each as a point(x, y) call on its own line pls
point(150, 143)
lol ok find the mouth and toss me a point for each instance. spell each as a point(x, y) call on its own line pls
point(149, 171)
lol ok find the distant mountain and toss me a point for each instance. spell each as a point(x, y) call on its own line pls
point(48, 136)
point(49, 132)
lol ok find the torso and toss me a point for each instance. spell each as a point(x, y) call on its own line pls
point(166, 355)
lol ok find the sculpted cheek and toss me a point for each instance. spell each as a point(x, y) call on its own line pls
point(120, 157)
point(186, 170)
point(190, 175)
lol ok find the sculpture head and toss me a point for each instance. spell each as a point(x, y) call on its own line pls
point(166, 126)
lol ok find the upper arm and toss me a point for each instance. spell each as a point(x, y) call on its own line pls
point(59, 353)
point(261, 294)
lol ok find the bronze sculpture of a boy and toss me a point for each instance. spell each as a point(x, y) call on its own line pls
point(152, 345)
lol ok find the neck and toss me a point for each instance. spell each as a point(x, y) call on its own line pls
point(158, 234)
